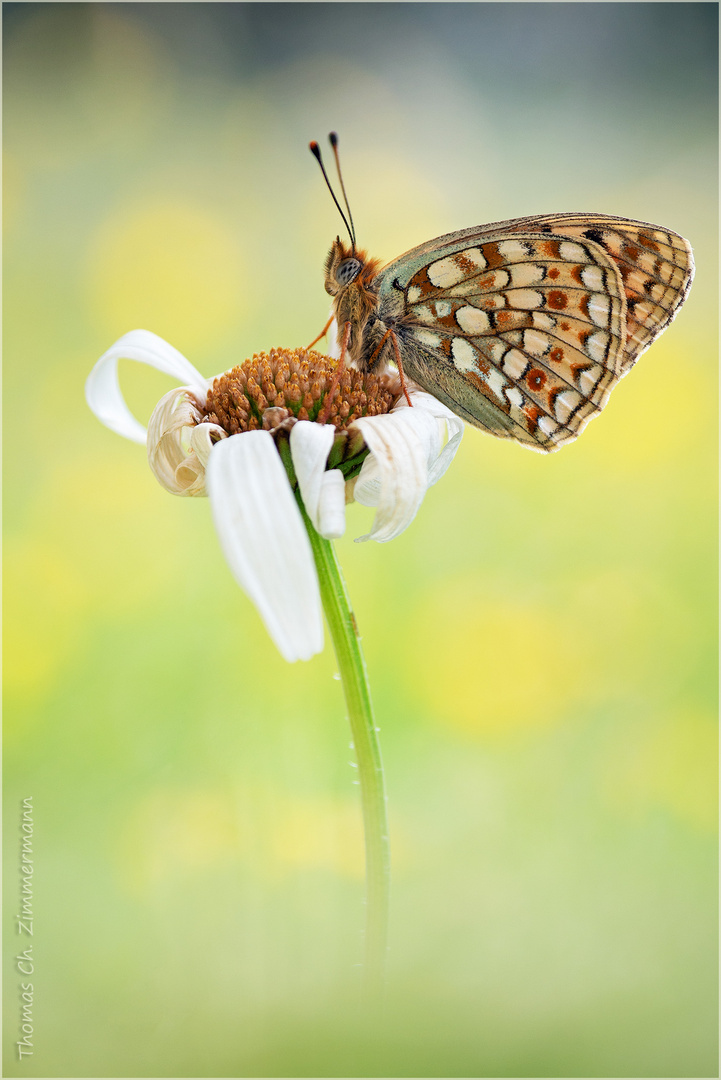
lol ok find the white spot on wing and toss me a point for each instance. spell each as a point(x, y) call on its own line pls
point(589, 378)
point(565, 403)
point(465, 357)
point(472, 320)
point(542, 321)
point(571, 252)
point(514, 364)
point(414, 294)
point(523, 274)
point(445, 272)
point(534, 343)
point(596, 345)
point(496, 383)
point(599, 308)
point(524, 299)
point(592, 278)
point(513, 250)
point(515, 396)
point(498, 348)
point(547, 425)
point(426, 337)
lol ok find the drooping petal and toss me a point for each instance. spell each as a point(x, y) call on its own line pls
point(102, 388)
point(395, 477)
point(454, 427)
point(264, 540)
point(331, 512)
point(323, 499)
point(170, 420)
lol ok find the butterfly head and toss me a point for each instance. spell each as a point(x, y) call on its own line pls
point(350, 276)
point(346, 266)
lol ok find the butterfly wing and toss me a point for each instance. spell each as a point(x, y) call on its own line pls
point(656, 267)
point(521, 334)
point(523, 327)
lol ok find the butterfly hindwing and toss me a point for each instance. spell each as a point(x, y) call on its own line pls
point(521, 334)
point(524, 326)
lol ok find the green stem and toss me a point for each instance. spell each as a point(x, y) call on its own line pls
point(346, 641)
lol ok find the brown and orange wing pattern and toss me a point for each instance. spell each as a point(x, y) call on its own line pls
point(523, 327)
point(656, 267)
point(521, 335)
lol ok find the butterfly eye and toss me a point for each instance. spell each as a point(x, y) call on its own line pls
point(347, 271)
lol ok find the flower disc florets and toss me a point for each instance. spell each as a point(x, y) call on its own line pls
point(295, 383)
point(274, 390)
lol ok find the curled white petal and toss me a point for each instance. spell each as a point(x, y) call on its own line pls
point(310, 445)
point(331, 508)
point(202, 443)
point(102, 388)
point(399, 474)
point(264, 540)
point(177, 452)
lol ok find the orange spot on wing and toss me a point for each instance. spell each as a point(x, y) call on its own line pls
point(556, 355)
point(532, 412)
point(536, 378)
point(630, 251)
point(583, 304)
point(577, 369)
point(564, 326)
point(464, 263)
point(492, 255)
point(557, 299)
point(421, 281)
point(576, 274)
point(648, 241)
point(550, 248)
point(554, 273)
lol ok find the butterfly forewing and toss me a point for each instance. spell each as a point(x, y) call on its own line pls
point(523, 327)
point(527, 329)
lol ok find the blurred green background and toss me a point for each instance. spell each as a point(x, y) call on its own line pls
point(541, 642)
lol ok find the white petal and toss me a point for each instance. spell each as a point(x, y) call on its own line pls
point(264, 540)
point(331, 513)
point(201, 441)
point(102, 388)
point(449, 424)
point(179, 446)
point(310, 445)
point(400, 467)
point(333, 344)
point(438, 462)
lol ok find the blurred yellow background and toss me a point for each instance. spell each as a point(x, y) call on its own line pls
point(541, 642)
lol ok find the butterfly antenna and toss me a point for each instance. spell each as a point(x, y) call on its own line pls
point(315, 151)
point(333, 139)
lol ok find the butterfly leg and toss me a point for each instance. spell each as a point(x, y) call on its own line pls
point(399, 364)
point(323, 414)
point(390, 333)
point(322, 334)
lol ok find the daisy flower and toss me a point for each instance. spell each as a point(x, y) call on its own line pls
point(266, 445)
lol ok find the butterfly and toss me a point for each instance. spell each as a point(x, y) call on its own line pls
point(520, 327)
